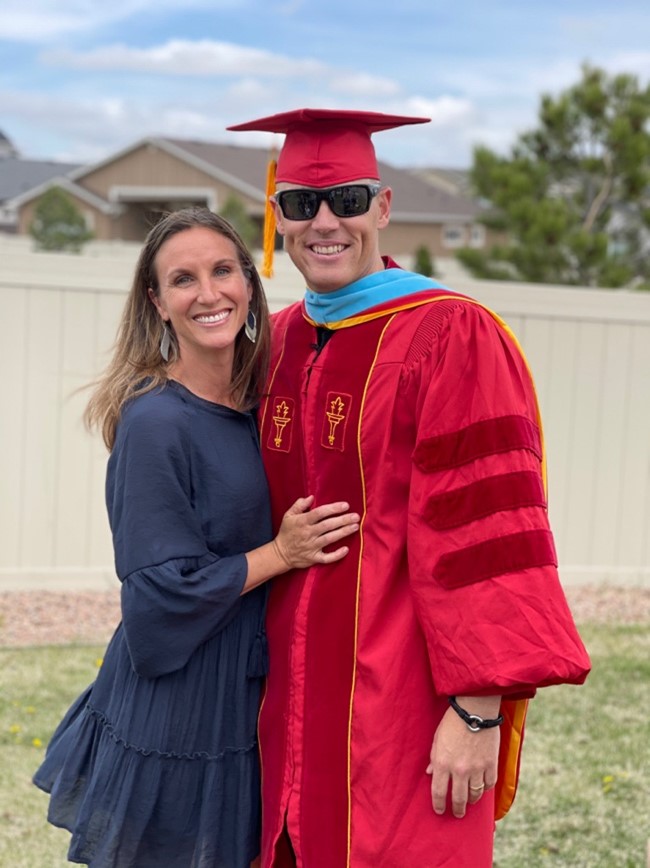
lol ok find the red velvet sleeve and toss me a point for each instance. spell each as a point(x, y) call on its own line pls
point(482, 561)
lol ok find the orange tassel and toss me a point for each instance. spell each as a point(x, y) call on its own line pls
point(269, 222)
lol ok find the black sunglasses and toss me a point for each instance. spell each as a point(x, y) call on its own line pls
point(349, 201)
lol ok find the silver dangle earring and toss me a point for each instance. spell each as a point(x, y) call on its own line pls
point(250, 326)
point(165, 343)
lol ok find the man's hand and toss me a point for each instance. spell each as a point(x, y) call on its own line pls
point(466, 760)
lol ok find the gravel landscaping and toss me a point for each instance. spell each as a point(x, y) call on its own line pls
point(57, 618)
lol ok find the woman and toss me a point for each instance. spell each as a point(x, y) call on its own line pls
point(156, 764)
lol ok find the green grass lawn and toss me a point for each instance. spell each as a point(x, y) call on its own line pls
point(584, 797)
point(36, 687)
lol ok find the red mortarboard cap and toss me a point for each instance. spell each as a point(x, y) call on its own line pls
point(325, 147)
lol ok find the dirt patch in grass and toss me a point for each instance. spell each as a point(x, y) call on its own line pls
point(57, 618)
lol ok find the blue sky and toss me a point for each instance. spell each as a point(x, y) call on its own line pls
point(80, 79)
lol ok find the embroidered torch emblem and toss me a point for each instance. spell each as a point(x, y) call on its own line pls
point(335, 415)
point(281, 419)
point(280, 424)
point(337, 411)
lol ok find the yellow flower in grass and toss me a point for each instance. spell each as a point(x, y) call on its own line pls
point(608, 783)
point(37, 742)
point(29, 709)
point(15, 728)
point(99, 661)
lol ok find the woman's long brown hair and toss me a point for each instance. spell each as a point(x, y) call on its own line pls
point(137, 365)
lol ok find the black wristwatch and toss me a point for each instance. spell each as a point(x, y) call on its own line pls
point(474, 722)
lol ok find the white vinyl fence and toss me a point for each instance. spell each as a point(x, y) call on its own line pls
point(589, 351)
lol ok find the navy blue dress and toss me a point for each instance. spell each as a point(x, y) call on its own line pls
point(156, 764)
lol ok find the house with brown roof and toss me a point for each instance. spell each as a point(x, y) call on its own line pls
point(122, 196)
point(455, 181)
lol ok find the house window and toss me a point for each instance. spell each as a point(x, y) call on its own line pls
point(477, 236)
point(453, 236)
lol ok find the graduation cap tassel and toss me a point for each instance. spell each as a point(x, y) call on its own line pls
point(269, 222)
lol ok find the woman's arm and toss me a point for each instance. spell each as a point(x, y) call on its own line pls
point(301, 540)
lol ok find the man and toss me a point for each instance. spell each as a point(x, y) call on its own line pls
point(415, 655)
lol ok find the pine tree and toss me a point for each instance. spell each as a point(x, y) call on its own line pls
point(573, 198)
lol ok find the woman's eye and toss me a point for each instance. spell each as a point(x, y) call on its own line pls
point(182, 279)
point(222, 271)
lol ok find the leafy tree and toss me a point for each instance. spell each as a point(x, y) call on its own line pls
point(234, 211)
point(58, 224)
point(574, 195)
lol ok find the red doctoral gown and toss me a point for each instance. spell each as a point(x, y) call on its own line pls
point(422, 415)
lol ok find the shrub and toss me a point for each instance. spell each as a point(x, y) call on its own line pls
point(234, 211)
point(423, 261)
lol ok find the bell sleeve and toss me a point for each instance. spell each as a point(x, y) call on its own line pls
point(176, 593)
point(482, 560)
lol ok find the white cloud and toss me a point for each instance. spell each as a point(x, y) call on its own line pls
point(28, 25)
point(446, 111)
point(257, 75)
point(95, 126)
point(634, 62)
point(42, 20)
point(363, 84)
point(126, 92)
point(100, 126)
point(503, 80)
point(182, 57)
